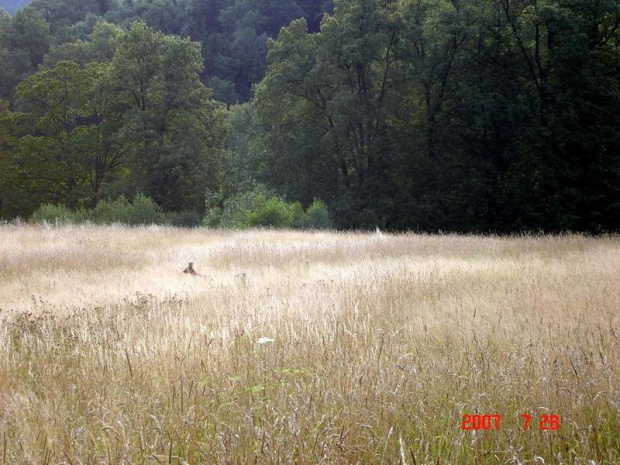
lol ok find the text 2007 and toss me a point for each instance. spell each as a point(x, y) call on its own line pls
point(488, 422)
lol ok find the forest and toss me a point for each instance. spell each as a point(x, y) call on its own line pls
point(484, 116)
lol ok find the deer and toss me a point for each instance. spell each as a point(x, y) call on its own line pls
point(190, 269)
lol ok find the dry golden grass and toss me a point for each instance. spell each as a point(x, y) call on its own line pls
point(110, 354)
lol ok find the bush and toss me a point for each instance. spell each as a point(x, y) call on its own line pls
point(110, 211)
point(262, 208)
point(185, 219)
point(316, 217)
point(273, 212)
point(143, 210)
point(233, 214)
point(258, 208)
point(55, 214)
point(139, 212)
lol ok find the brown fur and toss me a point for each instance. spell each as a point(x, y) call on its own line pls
point(190, 269)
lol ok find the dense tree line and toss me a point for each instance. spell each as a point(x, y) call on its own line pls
point(462, 115)
point(233, 33)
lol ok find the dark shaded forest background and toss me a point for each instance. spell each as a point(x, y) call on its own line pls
point(453, 115)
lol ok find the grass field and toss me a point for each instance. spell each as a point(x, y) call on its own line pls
point(381, 343)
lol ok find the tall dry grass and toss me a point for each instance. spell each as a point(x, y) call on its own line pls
point(110, 354)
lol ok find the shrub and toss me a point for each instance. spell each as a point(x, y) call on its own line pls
point(185, 219)
point(213, 218)
point(110, 211)
point(262, 208)
point(213, 214)
point(316, 217)
point(233, 214)
point(141, 211)
point(49, 213)
point(144, 210)
point(273, 212)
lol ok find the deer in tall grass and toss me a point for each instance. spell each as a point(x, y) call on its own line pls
point(190, 269)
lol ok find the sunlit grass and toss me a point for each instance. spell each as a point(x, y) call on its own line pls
point(110, 354)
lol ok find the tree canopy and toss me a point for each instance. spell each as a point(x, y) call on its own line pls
point(483, 116)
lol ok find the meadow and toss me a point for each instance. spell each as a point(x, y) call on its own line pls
point(307, 348)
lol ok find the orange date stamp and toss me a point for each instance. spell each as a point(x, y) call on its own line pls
point(490, 422)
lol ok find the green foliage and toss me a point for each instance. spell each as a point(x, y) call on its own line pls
point(440, 115)
point(243, 151)
point(261, 208)
point(223, 90)
point(142, 211)
point(111, 211)
point(54, 214)
point(27, 32)
point(96, 46)
point(326, 100)
point(139, 122)
point(185, 219)
point(273, 212)
point(231, 213)
point(59, 13)
point(171, 130)
point(431, 115)
point(233, 33)
point(316, 217)
point(24, 41)
point(61, 149)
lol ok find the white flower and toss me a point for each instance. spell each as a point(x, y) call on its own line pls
point(265, 340)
